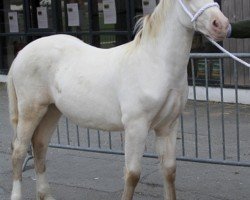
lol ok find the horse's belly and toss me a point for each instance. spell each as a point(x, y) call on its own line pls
point(89, 113)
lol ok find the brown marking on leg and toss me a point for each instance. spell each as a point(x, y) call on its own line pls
point(132, 179)
point(41, 196)
point(170, 174)
point(11, 146)
point(14, 120)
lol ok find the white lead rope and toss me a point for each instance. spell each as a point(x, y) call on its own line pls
point(194, 18)
point(228, 53)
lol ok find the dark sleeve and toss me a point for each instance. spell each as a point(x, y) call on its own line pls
point(241, 29)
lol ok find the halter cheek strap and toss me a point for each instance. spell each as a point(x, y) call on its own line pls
point(203, 9)
point(199, 12)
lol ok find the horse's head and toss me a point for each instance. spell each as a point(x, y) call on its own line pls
point(205, 17)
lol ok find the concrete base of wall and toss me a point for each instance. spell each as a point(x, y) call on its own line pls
point(214, 94)
point(3, 78)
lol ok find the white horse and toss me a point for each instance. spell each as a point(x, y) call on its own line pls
point(135, 87)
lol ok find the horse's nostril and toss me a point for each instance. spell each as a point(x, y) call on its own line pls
point(216, 24)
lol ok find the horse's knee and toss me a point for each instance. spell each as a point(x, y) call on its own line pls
point(132, 177)
point(169, 169)
point(19, 151)
point(166, 150)
point(14, 119)
point(170, 174)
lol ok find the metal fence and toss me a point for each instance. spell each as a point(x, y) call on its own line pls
point(209, 132)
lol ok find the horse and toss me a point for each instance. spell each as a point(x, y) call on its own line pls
point(135, 87)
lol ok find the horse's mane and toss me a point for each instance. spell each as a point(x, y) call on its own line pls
point(148, 26)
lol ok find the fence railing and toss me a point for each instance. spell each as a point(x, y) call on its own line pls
point(209, 132)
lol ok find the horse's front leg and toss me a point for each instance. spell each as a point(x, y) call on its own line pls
point(165, 147)
point(135, 137)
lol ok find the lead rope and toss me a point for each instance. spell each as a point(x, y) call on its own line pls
point(194, 18)
point(228, 53)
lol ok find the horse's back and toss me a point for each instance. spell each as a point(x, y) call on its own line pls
point(51, 48)
point(39, 61)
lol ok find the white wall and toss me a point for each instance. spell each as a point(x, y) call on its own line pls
point(3, 78)
point(214, 94)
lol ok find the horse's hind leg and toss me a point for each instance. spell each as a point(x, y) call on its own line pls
point(165, 146)
point(40, 141)
point(29, 116)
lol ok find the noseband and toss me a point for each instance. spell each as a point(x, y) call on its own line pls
point(195, 16)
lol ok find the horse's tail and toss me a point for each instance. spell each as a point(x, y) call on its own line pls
point(13, 108)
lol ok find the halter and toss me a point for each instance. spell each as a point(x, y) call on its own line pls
point(199, 12)
point(195, 17)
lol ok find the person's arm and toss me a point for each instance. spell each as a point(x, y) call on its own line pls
point(240, 29)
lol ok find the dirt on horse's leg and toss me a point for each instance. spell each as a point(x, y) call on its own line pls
point(40, 141)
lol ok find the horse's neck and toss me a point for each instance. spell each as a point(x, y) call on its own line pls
point(175, 40)
point(172, 42)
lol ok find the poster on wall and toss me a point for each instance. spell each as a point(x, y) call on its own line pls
point(13, 22)
point(109, 11)
point(148, 6)
point(42, 17)
point(73, 14)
